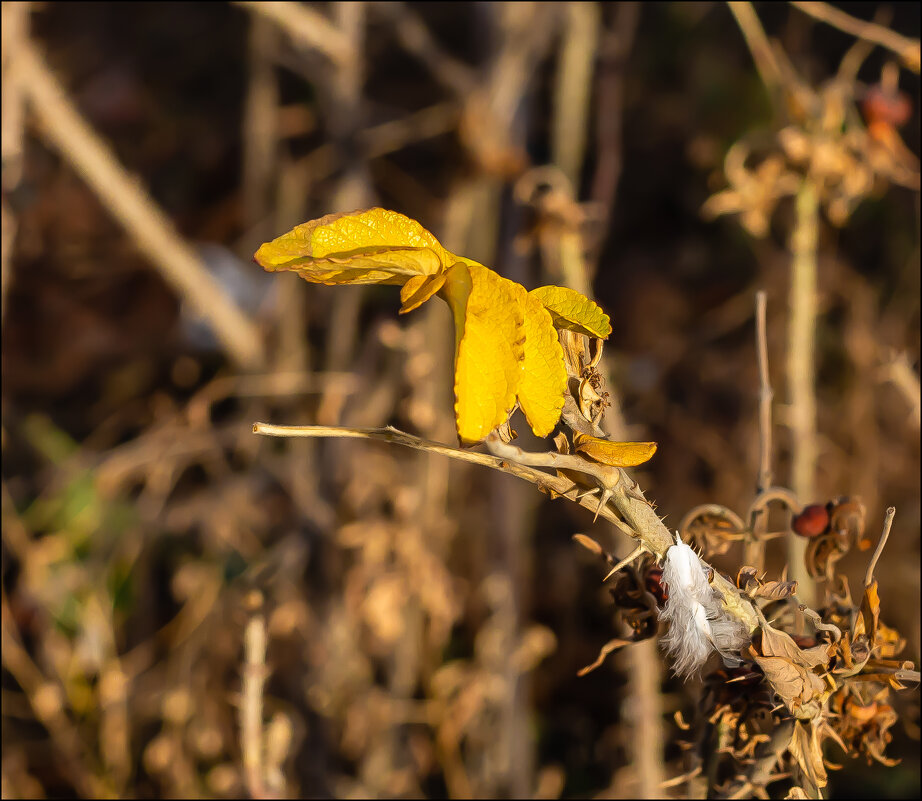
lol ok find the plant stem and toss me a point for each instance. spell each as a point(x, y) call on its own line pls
point(754, 547)
point(801, 371)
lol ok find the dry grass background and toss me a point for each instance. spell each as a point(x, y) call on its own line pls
point(190, 610)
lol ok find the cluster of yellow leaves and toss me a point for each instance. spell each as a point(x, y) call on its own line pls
point(506, 345)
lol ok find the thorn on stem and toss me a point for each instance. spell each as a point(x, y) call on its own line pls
point(602, 501)
point(640, 549)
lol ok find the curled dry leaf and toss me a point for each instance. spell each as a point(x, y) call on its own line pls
point(790, 670)
point(806, 752)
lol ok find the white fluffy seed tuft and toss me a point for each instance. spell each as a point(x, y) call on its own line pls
point(697, 622)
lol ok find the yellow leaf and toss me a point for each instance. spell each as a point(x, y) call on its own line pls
point(375, 246)
point(419, 289)
point(544, 377)
point(573, 311)
point(489, 346)
point(506, 345)
point(616, 454)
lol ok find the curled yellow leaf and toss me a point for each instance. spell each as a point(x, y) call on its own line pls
point(363, 247)
point(615, 454)
point(419, 289)
point(573, 311)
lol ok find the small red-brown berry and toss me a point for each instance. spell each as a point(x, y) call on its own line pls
point(812, 521)
point(879, 106)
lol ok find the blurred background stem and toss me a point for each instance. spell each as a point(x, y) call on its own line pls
point(801, 373)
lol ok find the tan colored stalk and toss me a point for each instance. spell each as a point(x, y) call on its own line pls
point(251, 707)
point(572, 88)
point(801, 372)
point(754, 547)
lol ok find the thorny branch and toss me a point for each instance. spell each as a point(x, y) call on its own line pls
point(632, 513)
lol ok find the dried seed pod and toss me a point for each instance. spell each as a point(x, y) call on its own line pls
point(847, 518)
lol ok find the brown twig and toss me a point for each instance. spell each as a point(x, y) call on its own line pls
point(260, 119)
point(571, 91)
point(614, 48)
point(307, 27)
point(64, 128)
point(416, 39)
point(13, 33)
point(8, 226)
point(907, 49)
point(759, 46)
point(900, 373)
point(647, 749)
point(524, 470)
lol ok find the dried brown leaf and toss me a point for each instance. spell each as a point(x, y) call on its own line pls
point(805, 749)
point(747, 575)
point(776, 590)
point(794, 684)
point(870, 613)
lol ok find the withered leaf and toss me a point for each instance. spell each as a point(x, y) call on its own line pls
point(561, 443)
point(776, 590)
point(870, 613)
point(749, 582)
point(794, 684)
point(889, 641)
point(746, 576)
point(805, 749)
point(779, 643)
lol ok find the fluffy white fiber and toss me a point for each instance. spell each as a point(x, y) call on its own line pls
point(697, 622)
